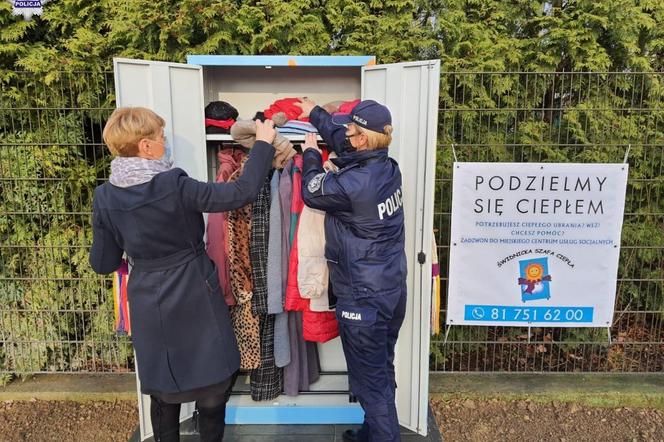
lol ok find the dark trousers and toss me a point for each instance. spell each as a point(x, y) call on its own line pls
point(369, 328)
point(211, 417)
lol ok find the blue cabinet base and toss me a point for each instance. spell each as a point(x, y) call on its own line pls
point(294, 415)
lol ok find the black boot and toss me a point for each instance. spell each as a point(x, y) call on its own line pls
point(165, 420)
point(360, 435)
point(211, 423)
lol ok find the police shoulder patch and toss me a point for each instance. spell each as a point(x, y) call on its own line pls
point(315, 183)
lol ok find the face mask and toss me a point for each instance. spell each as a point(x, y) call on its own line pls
point(348, 147)
point(168, 151)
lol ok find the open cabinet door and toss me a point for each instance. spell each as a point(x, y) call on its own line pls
point(410, 91)
point(175, 92)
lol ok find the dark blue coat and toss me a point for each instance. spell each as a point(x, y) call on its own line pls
point(364, 222)
point(181, 328)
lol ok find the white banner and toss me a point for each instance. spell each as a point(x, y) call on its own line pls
point(535, 244)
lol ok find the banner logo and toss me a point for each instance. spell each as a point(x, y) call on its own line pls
point(534, 279)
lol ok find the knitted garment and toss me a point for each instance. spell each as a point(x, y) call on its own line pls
point(244, 132)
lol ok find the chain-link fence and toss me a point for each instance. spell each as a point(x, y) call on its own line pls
point(56, 315)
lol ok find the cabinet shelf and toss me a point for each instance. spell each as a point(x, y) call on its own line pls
point(227, 137)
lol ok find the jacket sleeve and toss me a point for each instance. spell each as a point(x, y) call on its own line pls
point(222, 197)
point(105, 253)
point(334, 135)
point(321, 190)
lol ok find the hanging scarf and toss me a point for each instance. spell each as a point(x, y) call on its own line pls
point(120, 302)
point(131, 171)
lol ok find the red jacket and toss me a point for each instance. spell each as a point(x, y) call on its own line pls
point(293, 300)
point(316, 326)
point(319, 326)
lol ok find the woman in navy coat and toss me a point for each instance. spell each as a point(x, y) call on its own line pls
point(181, 330)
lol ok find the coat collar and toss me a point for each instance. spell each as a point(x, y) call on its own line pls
point(359, 156)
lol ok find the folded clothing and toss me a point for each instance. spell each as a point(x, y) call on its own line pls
point(219, 117)
point(244, 132)
point(347, 106)
point(288, 107)
point(295, 127)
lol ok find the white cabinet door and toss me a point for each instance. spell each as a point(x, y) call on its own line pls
point(175, 92)
point(410, 91)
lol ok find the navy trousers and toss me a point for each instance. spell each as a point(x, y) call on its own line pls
point(369, 328)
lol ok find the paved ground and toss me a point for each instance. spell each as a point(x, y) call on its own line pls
point(474, 407)
point(294, 433)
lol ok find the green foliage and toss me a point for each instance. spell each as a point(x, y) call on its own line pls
point(56, 314)
point(51, 301)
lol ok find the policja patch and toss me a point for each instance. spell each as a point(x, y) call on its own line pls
point(315, 183)
point(355, 315)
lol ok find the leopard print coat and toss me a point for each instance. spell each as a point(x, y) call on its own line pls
point(246, 325)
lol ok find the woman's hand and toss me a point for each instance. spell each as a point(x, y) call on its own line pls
point(265, 131)
point(329, 166)
point(306, 105)
point(310, 142)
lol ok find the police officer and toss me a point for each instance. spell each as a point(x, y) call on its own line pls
point(364, 229)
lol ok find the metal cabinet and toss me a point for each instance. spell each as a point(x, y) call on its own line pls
point(179, 93)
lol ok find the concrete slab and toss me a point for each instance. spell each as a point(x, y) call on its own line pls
point(545, 383)
point(72, 387)
point(294, 433)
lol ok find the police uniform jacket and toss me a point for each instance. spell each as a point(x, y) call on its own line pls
point(181, 328)
point(364, 222)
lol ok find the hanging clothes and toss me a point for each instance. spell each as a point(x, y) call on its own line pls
point(435, 288)
point(282, 355)
point(285, 196)
point(239, 262)
point(304, 366)
point(294, 302)
point(283, 346)
point(312, 271)
point(274, 268)
point(229, 164)
point(120, 300)
point(312, 278)
point(245, 324)
point(267, 379)
point(274, 276)
point(258, 249)
point(319, 324)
